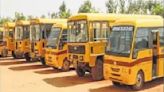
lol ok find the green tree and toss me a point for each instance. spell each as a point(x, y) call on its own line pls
point(112, 6)
point(43, 16)
point(63, 12)
point(3, 20)
point(122, 6)
point(150, 4)
point(19, 16)
point(158, 9)
point(54, 15)
point(137, 7)
point(30, 17)
point(87, 7)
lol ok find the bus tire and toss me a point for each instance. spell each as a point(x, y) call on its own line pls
point(139, 81)
point(97, 70)
point(27, 57)
point(13, 54)
point(42, 60)
point(80, 72)
point(117, 84)
point(16, 55)
point(66, 65)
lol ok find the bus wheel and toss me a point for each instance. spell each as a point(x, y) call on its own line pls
point(66, 65)
point(4, 53)
point(16, 55)
point(27, 57)
point(116, 83)
point(139, 81)
point(97, 70)
point(80, 72)
point(42, 60)
point(13, 54)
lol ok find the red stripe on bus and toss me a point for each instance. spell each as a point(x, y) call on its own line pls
point(59, 53)
point(133, 63)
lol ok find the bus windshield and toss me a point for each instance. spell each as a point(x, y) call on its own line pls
point(119, 42)
point(18, 33)
point(77, 31)
point(11, 32)
point(53, 38)
point(39, 32)
point(35, 33)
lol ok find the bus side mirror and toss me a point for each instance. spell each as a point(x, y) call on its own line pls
point(135, 54)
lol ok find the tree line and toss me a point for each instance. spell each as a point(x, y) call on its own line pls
point(153, 7)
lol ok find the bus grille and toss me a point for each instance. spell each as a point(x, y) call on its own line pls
point(80, 49)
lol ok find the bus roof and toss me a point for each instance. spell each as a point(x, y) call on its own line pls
point(107, 17)
point(46, 21)
point(61, 25)
point(140, 22)
point(9, 25)
point(22, 22)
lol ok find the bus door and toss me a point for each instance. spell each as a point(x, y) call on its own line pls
point(155, 54)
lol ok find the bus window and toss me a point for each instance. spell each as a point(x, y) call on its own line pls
point(11, 33)
point(161, 33)
point(104, 30)
point(63, 39)
point(96, 31)
point(120, 40)
point(64, 36)
point(47, 30)
point(142, 39)
point(26, 32)
point(78, 31)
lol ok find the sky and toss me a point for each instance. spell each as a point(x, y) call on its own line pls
point(40, 7)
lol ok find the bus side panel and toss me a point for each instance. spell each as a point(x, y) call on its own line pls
point(26, 46)
point(96, 48)
point(60, 60)
point(145, 63)
point(41, 45)
point(161, 62)
point(62, 56)
point(10, 44)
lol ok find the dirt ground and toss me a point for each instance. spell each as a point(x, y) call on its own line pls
point(16, 75)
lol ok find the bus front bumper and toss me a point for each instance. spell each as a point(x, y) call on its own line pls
point(119, 74)
point(52, 61)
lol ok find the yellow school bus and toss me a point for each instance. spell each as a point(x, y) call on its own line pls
point(7, 45)
point(56, 49)
point(22, 38)
point(87, 40)
point(1, 40)
point(39, 31)
point(135, 52)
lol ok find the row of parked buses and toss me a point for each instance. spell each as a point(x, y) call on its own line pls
point(127, 49)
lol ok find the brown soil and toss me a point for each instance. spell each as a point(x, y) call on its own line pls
point(17, 75)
